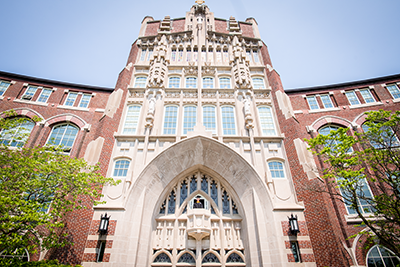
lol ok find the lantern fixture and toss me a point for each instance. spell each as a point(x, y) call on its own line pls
point(103, 227)
point(294, 225)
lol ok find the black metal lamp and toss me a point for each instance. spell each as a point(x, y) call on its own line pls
point(294, 225)
point(103, 227)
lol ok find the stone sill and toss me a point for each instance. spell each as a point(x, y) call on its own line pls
point(73, 108)
point(323, 110)
point(31, 102)
point(366, 105)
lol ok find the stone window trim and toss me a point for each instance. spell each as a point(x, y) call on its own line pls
point(224, 105)
point(170, 81)
point(140, 81)
point(258, 82)
point(395, 92)
point(356, 95)
point(4, 86)
point(134, 122)
point(75, 104)
point(187, 111)
point(321, 105)
point(114, 166)
point(67, 149)
point(176, 119)
point(215, 131)
point(263, 125)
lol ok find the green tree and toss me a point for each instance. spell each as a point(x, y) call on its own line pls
point(369, 159)
point(38, 187)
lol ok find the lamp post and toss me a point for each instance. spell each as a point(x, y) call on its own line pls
point(294, 225)
point(103, 227)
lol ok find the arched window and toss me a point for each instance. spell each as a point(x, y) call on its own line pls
point(121, 168)
point(187, 258)
point(208, 82)
point(63, 135)
point(170, 118)
point(386, 137)
point(209, 120)
point(174, 82)
point(210, 258)
point(228, 120)
point(17, 135)
point(326, 130)
point(3, 87)
point(189, 118)
point(225, 83)
point(276, 169)
point(266, 120)
point(132, 119)
point(19, 254)
point(191, 82)
point(258, 83)
point(162, 258)
point(140, 82)
point(381, 257)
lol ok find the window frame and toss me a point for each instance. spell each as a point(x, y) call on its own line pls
point(29, 96)
point(42, 93)
point(4, 85)
point(215, 131)
point(313, 106)
point(88, 102)
point(276, 170)
point(368, 97)
point(208, 82)
point(394, 87)
point(381, 257)
point(353, 97)
point(125, 128)
point(185, 130)
point(141, 84)
point(349, 209)
point(66, 149)
point(222, 85)
point(333, 126)
point(258, 85)
point(234, 120)
point(164, 129)
point(189, 78)
point(272, 120)
point(15, 133)
point(67, 99)
point(174, 77)
point(125, 171)
point(328, 97)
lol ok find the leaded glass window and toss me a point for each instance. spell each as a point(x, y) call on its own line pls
point(210, 54)
point(140, 82)
point(149, 54)
point(312, 102)
point(204, 184)
point(209, 119)
point(17, 135)
point(228, 120)
point(258, 83)
point(255, 55)
point(121, 168)
point(63, 135)
point(191, 82)
point(226, 209)
point(367, 95)
point(394, 91)
point(174, 82)
point(143, 55)
point(234, 257)
point(85, 100)
point(162, 258)
point(184, 191)
point(170, 119)
point(326, 100)
point(266, 121)
point(171, 203)
point(187, 258)
point(70, 101)
point(208, 82)
point(173, 55)
point(188, 54)
point(193, 184)
point(381, 257)
point(214, 192)
point(276, 169)
point(210, 258)
point(44, 95)
point(3, 87)
point(224, 83)
point(189, 118)
point(352, 97)
point(132, 119)
point(226, 55)
point(180, 55)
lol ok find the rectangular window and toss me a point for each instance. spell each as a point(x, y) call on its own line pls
point(195, 54)
point(203, 55)
point(29, 93)
point(266, 121)
point(394, 91)
point(210, 55)
point(70, 101)
point(188, 55)
point(44, 95)
point(143, 55)
point(366, 94)
point(224, 83)
point(255, 55)
point(3, 87)
point(208, 82)
point(226, 56)
point(258, 83)
point(363, 193)
point(189, 119)
point(85, 100)
point(352, 97)
point(171, 115)
point(173, 55)
point(140, 82)
point(312, 102)
point(132, 119)
point(150, 54)
point(174, 82)
point(180, 55)
point(228, 120)
point(100, 251)
point(326, 101)
point(219, 56)
point(248, 54)
point(294, 246)
point(209, 119)
point(191, 82)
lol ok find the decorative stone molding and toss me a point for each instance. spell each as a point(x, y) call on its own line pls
point(207, 69)
point(158, 65)
point(191, 69)
point(240, 64)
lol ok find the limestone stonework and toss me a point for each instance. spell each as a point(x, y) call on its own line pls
point(209, 150)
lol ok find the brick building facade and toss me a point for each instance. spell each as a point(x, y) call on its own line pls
point(209, 148)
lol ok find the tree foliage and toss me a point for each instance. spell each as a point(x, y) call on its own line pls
point(38, 187)
point(368, 160)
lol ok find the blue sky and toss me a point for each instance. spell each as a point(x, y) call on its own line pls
point(311, 42)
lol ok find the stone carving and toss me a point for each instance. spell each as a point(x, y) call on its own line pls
point(191, 69)
point(207, 69)
point(158, 64)
point(240, 66)
point(150, 112)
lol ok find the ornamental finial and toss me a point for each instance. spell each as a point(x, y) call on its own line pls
point(200, 2)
